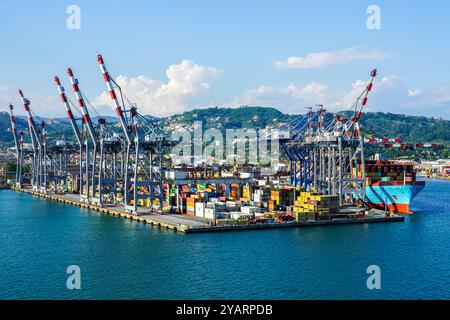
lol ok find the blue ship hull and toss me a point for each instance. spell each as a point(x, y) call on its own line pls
point(396, 196)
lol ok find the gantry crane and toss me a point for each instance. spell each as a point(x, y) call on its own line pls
point(77, 132)
point(36, 174)
point(49, 160)
point(18, 142)
point(145, 145)
point(107, 146)
point(323, 156)
point(89, 132)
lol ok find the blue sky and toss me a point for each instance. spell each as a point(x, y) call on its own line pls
point(171, 56)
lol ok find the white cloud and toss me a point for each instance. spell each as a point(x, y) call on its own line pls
point(188, 86)
point(41, 105)
point(390, 94)
point(414, 92)
point(329, 58)
point(291, 98)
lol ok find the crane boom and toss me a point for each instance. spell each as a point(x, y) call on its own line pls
point(69, 110)
point(86, 118)
point(13, 127)
point(113, 96)
point(31, 125)
point(361, 102)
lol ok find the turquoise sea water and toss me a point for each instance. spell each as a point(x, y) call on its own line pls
point(122, 259)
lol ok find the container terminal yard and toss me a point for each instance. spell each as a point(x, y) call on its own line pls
point(124, 169)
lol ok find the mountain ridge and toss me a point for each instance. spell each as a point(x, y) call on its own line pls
point(409, 128)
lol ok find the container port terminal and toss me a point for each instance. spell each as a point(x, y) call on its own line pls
point(124, 169)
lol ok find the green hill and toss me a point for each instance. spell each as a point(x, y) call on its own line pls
point(54, 127)
point(228, 118)
point(6, 138)
point(408, 128)
point(378, 124)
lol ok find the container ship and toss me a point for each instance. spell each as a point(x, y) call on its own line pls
point(392, 184)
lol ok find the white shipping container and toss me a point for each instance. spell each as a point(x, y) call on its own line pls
point(240, 215)
point(250, 210)
point(246, 175)
point(176, 175)
point(261, 182)
point(245, 209)
point(227, 174)
point(211, 214)
point(281, 135)
point(200, 209)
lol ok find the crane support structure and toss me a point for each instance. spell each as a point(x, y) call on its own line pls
point(49, 158)
point(145, 145)
point(107, 148)
point(323, 156)
point(90, 157)
point(36, 176)
point(78, 134)
point(18, 142)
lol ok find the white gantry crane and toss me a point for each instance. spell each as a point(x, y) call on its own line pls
point(18, 142)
